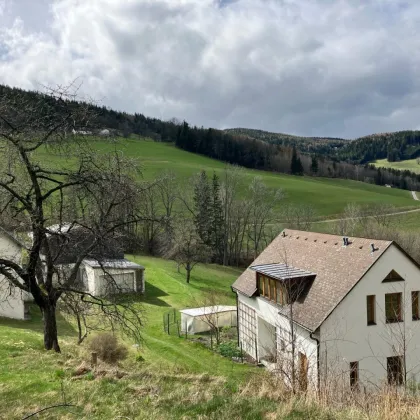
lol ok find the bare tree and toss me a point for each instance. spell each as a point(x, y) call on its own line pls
point(262, 203)
point(167, 187)
point(187, 249)
point(75, 186)
point(211, 316)
point(299, 216)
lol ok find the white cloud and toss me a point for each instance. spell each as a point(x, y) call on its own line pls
point(312, 67)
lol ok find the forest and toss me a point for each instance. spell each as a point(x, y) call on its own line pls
point(256, 149)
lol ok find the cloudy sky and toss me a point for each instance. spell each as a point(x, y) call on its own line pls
point(310, 67)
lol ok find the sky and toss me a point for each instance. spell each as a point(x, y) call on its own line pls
point(338, 68)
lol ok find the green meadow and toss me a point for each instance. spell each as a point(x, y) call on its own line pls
point(328, 196)
point(409, 165)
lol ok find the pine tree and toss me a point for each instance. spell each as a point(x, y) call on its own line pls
point(217, 220)
point(296, 167)
point(202, 204)
point(314, 165)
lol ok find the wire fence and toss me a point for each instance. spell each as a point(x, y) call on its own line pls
point(172, 322)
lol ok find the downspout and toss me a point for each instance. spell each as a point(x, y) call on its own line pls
point(318, 373)
point(237, 315)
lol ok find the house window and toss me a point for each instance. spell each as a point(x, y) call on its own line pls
point(261, 285)
point(393, 310)
point(370, 308)
point(354, 375)
point(415, 306)
point(394, 367)
point(392, 277)
point(272, 289)
point(281, 298)
point(247, 328)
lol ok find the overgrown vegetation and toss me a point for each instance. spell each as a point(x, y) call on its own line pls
point(107, 348)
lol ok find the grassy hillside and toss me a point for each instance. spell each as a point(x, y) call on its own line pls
point(176, 379)
point(172, 364)
point(409, 165)
point(173, 379)
point(327, 196)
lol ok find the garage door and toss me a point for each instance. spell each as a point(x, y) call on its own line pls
point(117, 283)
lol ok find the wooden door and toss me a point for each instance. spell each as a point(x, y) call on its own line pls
point(303, 372)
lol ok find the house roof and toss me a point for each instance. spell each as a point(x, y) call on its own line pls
point(207, 310)
point(70, 241)
point(115, 263)
point(281, 271)
point(338, 268)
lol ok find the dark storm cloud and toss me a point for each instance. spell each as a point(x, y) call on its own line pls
point(334, 68)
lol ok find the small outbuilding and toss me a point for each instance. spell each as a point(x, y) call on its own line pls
point(198, 320)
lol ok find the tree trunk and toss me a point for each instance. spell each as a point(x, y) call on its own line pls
point(188, 270)
point(50, 328)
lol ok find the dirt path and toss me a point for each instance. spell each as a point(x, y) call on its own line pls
point(351, 218)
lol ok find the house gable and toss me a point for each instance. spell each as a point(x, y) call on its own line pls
point(347, 336)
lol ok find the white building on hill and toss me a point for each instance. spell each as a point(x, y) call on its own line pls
point(326, 310)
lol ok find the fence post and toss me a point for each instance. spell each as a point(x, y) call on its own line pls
point(186, 330)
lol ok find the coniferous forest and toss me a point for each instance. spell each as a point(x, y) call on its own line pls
point(310, 156)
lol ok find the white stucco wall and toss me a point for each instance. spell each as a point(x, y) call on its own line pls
point(97, 284)
point(346, 337)
point(268, 313)
point(11, 298)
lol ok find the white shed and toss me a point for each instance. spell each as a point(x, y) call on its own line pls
point(197, 320)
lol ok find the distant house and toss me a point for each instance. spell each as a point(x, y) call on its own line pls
point(13, 301)
point(105, 132)
point(327, 310)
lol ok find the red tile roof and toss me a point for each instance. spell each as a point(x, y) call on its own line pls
point(338, 268)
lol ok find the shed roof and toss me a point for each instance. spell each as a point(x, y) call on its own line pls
point(281, 271)
point(207, 310)
point(338, 268)
point(113, 263)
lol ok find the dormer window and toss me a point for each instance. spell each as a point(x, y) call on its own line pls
point(280, 283)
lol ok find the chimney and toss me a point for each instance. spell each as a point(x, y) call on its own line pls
point(372, 245)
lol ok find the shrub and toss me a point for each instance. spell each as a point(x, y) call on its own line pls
point(107, 347)
point(229, 349)
point(139, 358)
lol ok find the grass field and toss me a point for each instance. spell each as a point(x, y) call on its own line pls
point(328, 196)
point(178, 377)
point(410, 165)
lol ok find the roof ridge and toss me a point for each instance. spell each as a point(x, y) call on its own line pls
point(333, 235)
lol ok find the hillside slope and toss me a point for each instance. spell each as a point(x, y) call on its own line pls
point(319, 145)
point(327, 196)
point(392, 146)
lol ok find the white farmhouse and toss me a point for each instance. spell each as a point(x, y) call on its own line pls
point(331, 311)
point(13, 301)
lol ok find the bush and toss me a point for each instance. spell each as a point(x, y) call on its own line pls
point(229, 349)
point(107, 347)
